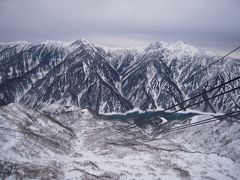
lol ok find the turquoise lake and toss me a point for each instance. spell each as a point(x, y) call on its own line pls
point(148, 115)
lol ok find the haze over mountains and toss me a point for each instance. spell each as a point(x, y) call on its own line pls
point(113, 80)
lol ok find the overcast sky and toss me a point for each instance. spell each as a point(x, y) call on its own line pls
point(206, 24)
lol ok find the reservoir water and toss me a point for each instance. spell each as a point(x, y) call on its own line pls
point(148, 115)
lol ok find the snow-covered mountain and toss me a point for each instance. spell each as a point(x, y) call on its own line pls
point(163, 75)
point(51, 94)
point(113, 80)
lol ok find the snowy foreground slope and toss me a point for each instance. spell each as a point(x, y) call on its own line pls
point(75, 144)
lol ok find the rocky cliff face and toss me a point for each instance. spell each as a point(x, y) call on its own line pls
point(164, 74)
point(88, 76)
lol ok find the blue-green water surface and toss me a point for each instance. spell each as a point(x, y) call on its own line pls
point(149, 115)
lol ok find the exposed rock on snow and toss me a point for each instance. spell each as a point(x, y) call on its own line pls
point(113, 80)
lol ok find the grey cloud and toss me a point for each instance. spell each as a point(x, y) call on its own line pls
point(200, 22)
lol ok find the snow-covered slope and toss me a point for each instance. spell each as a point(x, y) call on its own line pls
point(75, 144)
point(113, 80)
point(165, 74)
point(71, 74)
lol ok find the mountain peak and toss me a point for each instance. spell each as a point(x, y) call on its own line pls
point(19, 45)
point(80, 41)
point(182, 47)
point(15, 43)
point(85, 43)
point(178, 48)
point(159, 45)
point(51, 43)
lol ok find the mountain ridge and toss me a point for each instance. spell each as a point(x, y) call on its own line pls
point(88, 76)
